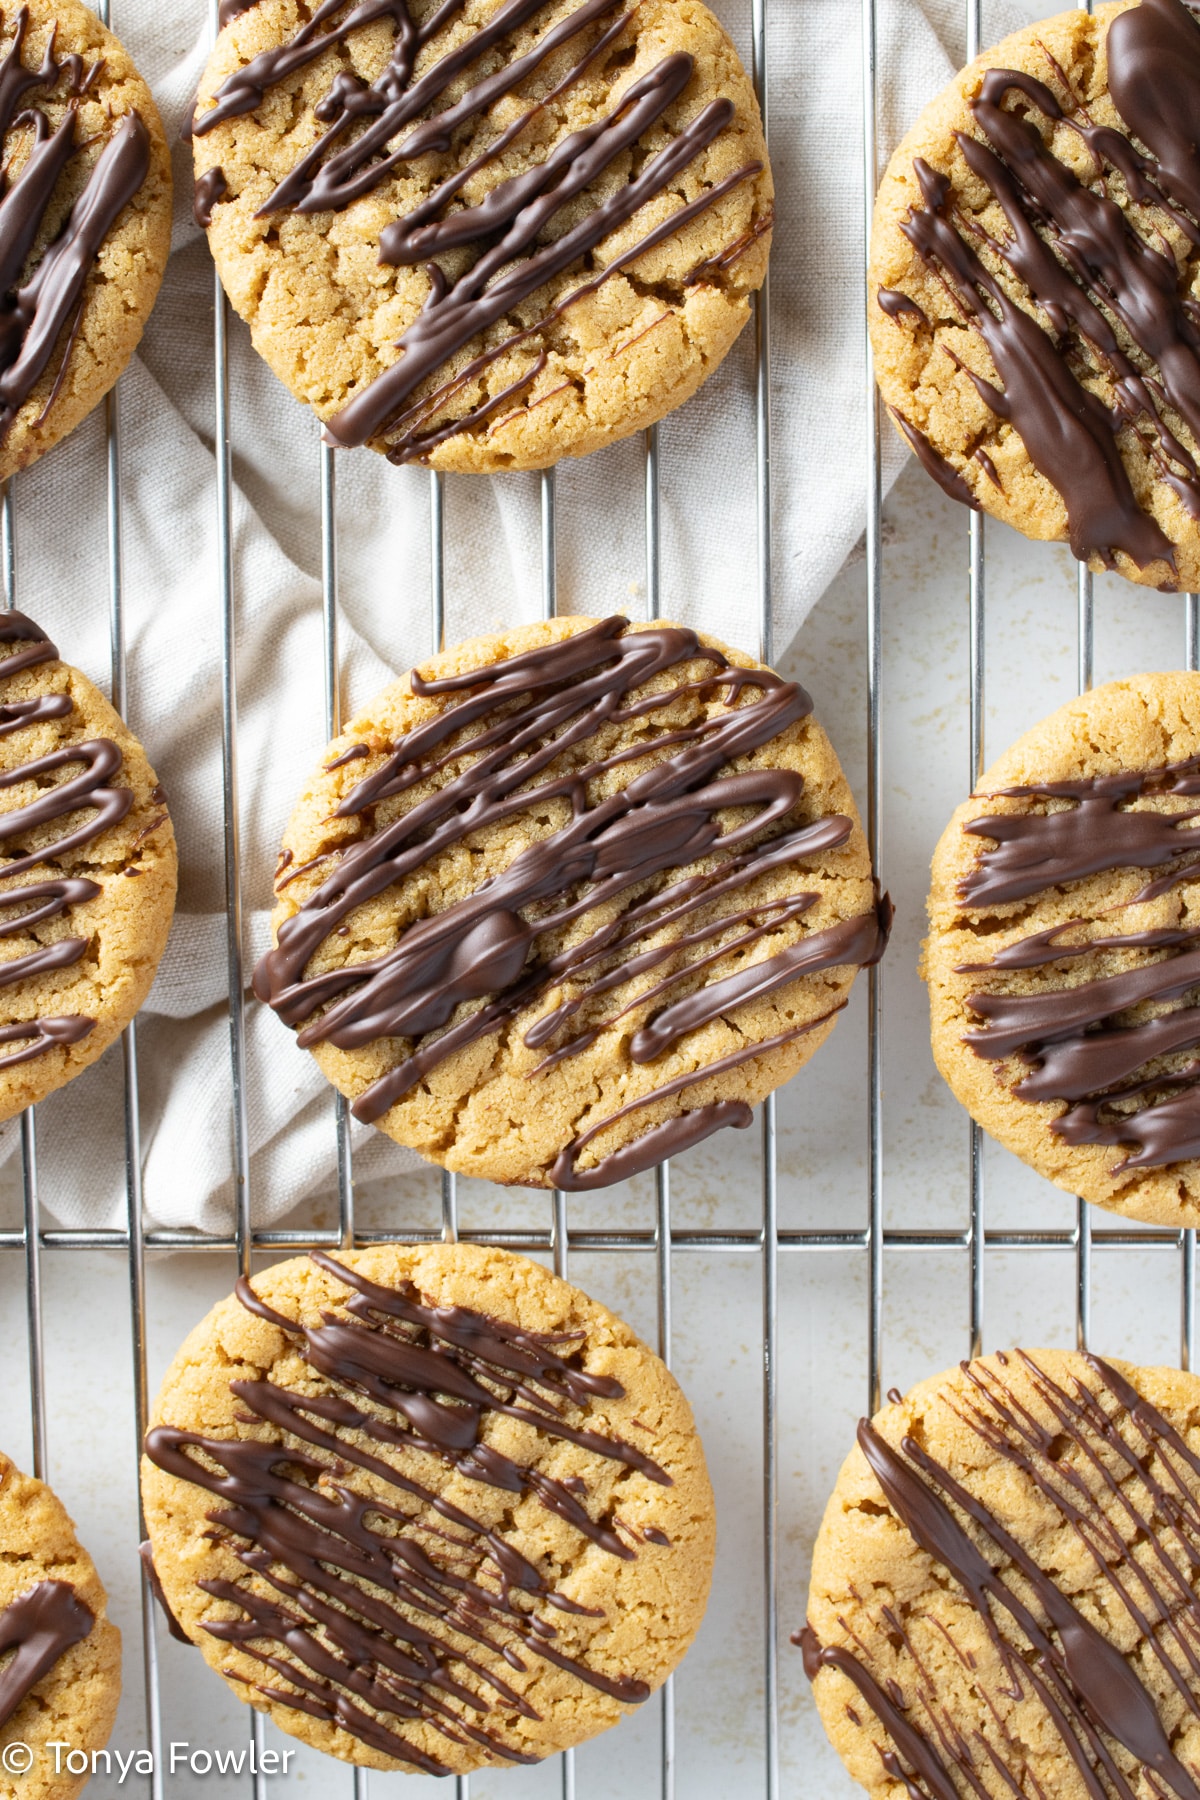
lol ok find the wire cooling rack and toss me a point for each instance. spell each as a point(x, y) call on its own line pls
point(563, 1237)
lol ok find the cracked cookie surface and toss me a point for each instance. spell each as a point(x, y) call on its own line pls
point(470, 1499)
point(87, 871)
point(489, 234)
point(1063, 960)
point(1035, 272)
point(1004, 1593)
point(85, 219)
point(62, 1680)
point(570, 898)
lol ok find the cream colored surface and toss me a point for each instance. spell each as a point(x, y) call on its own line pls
point(121, 287)
point(133, 862)
point(326, 314)
point(482, 1111)
point(1144, 722)
point(649, 1607)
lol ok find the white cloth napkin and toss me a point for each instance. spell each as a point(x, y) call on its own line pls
point(493, 574)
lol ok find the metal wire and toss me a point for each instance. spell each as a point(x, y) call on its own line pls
point(560, 1242)
point(770, 1185)
point(873, 542)
point(30, 1237)
point(134, 1217)
point(662, 1174)
point(597, 1242)
point(234, 939)
point(976, 652)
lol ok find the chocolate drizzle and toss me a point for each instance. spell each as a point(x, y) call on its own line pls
point(417, 1617)
point(498, 944)
point(899, 306)
point(1081, 265)
point(37, 305)
point(229, 10)
point(87, 793)
point(1092, 1045)
point(38, 1627)
point(934, 463)
point(211, 188)
point(512, 232)
point(1123, 1481)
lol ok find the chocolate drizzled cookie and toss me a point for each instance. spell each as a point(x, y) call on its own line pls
point(1064, 956)
point(484, 233)
point(415, 1502)
point(85, 219)
point(60, 1656)
point(1034, 260)
point(1004, 1594)
point(87, 869)
point(571, 899)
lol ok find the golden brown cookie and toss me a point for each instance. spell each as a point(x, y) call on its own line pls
point(85, 219)
point(570, 898)
point(484, 234)
point(87, 875)
point(1035, 267)
point(1005, 1591)
point(1063, 958)
point(428, 1506)
point(60, 1656)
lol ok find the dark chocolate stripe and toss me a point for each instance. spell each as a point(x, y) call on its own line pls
point(1084, 260)
point(419, 1383)
point(1035, 851)
point(56, 897)
point(210, 189)
point(853, 942)
point(39, 1626)
point(62, 954)
point(533, 708)
point(1090, 1689)
point(934, 463)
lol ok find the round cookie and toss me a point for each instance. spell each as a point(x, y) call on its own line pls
point(484, 234)
point(1035, 272)
point(87, 874)
point(85, 220)
point(1063, 959)
point(60, 1677)
point(1005, 1591)
point(471, 1500)
point(570, 898)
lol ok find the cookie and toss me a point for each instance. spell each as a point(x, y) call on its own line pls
point(1063, 959)
point(85, 220)
point(484, 234)
point(87, 876)
point(1005, 1592)
point(1035, 271)
point(428, 1506)
point(62, 1681)
point(569, 899)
